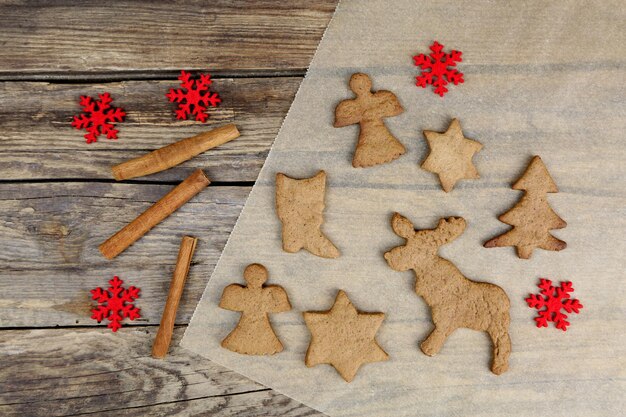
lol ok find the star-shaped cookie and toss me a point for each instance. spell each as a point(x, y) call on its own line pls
point(343, 337)
point(451, 155)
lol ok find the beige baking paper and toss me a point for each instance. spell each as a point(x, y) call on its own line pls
point(542, 78)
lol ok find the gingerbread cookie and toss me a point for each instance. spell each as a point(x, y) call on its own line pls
point(454, 300)
point(300, 204)
point(532, 217)
point(343, 337)
point(376, 144)
point(451, 155)
point(253, 334)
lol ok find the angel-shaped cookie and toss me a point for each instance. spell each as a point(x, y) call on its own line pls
point(253, 334)
point(376, 144)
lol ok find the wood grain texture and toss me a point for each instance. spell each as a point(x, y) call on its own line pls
point(99, 37)
point(155, 214)
point(521, 97)
point(49, 231)
point(37, 141)
point(69, 372)
point(175, 153)
point(50, 260)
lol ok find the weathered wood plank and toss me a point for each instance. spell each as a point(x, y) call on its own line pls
point(94, 371)
point(50, 260)
point(104, 36)
point(37, 141)
point(533, 101)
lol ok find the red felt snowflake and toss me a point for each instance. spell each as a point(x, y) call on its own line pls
point(99, 118)
point(115, 303)
point(197, 95)
point(435, 69)
point(554, 300)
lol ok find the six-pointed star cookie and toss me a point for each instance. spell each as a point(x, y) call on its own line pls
point(343, 337)
point(451, 155)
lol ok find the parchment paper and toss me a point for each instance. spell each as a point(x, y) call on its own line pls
point(542, 77)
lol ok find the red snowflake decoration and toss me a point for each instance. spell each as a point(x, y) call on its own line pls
point(99, 118)
point(115, 303)
point(554, 300)
point(435, 69)
point(197, 95)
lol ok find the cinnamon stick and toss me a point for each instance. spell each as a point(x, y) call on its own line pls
point(175, 153)
point(171, 202)
point(166, 328)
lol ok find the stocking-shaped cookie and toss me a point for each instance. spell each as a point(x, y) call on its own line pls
point(300, 204)
point(254, 334)
point(376, 144)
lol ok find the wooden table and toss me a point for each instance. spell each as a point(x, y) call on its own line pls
point(59, 202)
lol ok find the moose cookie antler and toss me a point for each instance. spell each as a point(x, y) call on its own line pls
point(454, 300)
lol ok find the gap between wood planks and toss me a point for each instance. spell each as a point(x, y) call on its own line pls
point(99, 378)
point(103, 325)
point(63, 77)
point(256, 105)
point(234, 394)
point(75, 78)
point(112, 181)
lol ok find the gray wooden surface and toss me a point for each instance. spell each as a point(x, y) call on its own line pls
point(58, 200)
point(545, 78)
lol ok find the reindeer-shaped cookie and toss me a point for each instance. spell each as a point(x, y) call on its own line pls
point(454, 300)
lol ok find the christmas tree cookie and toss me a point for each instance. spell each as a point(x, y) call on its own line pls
point(532, 217)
